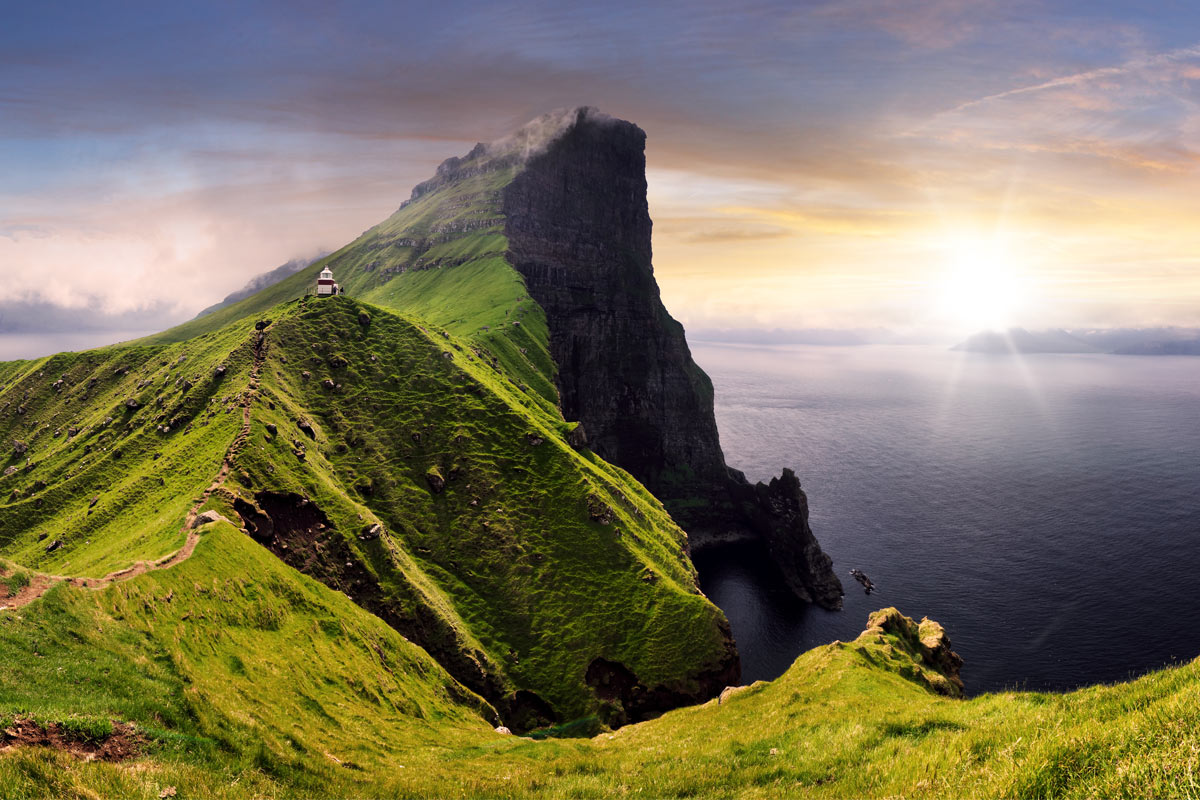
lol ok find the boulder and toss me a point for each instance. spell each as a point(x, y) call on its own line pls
point(436, 482)
point(132, 403)
point(55, 545)
point(261, 324)
point(371, 532)
point(305, 426)
point(576, 437)
point(207, 517)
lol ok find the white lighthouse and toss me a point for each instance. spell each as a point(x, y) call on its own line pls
point(325, 284)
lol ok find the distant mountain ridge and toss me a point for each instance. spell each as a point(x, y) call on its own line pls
point(1118, 341)
point(262, 281)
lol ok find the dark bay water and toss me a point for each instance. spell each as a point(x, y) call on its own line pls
point(1045, 509)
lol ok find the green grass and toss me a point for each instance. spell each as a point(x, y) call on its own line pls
point(844, 721)
point(506, 575)
point(507, 556)
point(102, 477)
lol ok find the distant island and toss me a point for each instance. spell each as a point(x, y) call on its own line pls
point(1170, 341)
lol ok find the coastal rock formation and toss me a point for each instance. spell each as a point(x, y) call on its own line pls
point(578, 227)
point(936, 664)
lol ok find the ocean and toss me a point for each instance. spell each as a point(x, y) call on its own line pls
point(1044, 508)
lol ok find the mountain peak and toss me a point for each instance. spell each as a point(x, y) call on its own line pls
point(519, 147)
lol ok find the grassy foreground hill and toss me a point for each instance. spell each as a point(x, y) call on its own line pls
point(236, 695)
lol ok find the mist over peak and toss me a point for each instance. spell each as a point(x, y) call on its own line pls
point(519, 147)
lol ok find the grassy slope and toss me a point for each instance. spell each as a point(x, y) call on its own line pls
point(508, 558)
point(844, 721)
point(510, 542)
point(143, 479)
point(246, 677)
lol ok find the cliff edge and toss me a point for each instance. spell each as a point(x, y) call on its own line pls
point(579, 231)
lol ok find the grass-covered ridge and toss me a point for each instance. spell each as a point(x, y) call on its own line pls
point(540, 558)
point(391, 460)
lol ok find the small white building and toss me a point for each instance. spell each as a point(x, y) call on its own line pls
point(325, 284)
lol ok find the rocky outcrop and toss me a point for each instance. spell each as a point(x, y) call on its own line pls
point(578, 227)
point(935, 664)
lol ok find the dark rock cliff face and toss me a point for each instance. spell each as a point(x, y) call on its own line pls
point(578, 227)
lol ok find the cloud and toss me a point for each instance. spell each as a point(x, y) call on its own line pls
point(928, 24)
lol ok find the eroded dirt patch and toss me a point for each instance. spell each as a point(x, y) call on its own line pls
point(123, 743)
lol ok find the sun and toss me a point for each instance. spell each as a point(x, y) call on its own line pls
point(980, 284)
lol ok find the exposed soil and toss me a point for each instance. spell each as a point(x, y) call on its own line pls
point(123, 743)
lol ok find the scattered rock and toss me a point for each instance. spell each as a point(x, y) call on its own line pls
point(10, 470)
point(435, 480)
point(55, 545)
point(306, 375)
point(132, 404)
point(261, 324)
point(371, 532)
point(364, 318)
point(503, 731)
point(307, 428)
point(272, 429)
point(599, 510)
point(93, 501)
point(19, 447)
point(207, 517)
point(534, 439)
point(576, 437)
point(219, 371)
point(328, 384)
point(730, 691)
point(337, 362)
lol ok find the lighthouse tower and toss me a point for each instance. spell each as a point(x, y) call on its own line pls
point(325, 284)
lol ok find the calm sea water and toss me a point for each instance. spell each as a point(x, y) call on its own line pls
point(1045, 509)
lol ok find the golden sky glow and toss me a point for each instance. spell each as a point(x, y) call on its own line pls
point(919, 166)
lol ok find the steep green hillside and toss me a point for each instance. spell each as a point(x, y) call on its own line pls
point(239, 674)
point(391, 461)
point(105, 451)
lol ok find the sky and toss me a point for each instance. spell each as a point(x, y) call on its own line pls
point(931, 165)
